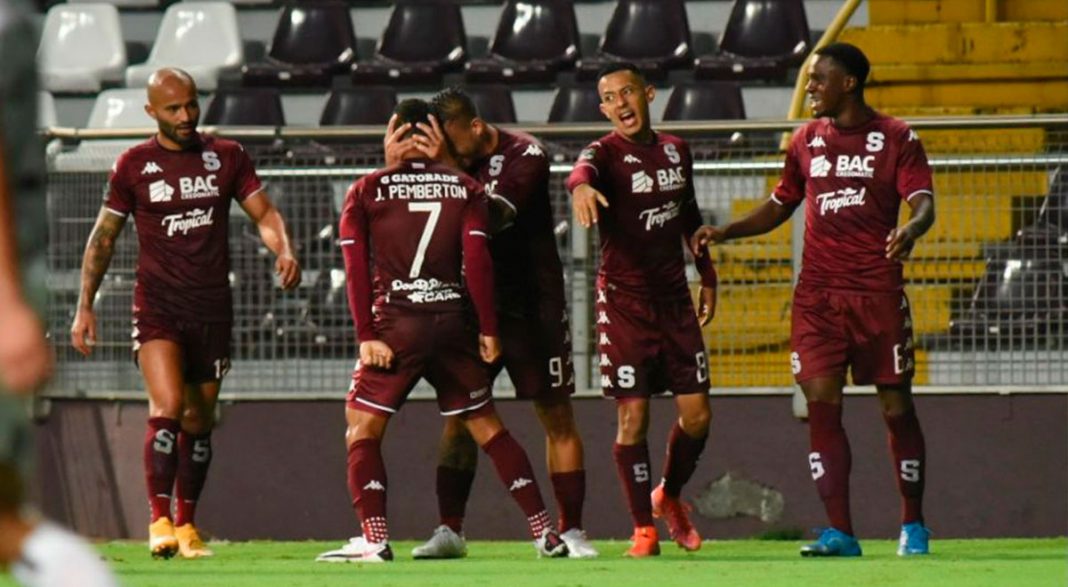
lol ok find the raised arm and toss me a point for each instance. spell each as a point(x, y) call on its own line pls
point(98, 252)
point(272, 229)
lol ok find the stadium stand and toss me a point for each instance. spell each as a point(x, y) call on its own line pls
point(423, 40)
point(533, 42)
point(654, 34)
point(312, 42)
point(199, 37)
point(364, 105)
point(120, 108)
point(761, 40)
point(81, 48)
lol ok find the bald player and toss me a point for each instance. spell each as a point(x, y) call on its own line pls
point(177, 186)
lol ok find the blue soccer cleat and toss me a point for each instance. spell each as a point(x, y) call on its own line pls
point(914, 540)
point(832, 543)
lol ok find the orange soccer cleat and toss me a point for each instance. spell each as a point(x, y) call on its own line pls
point(645, 541)
point(189, 543)
point(161, 540)
point(676, 514)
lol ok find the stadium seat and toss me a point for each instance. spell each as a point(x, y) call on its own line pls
point(653, 34)
point(120, 108)
point(494, 103)
point(534, 40)
point(423, 40)
point(199, 37)
point(762, 40)
point(46, 110)
point(81, 48)
point(122, 3)
point(705, 101)
point(245, 107)
point(576, 104)
point(359, 106)
point(312, 42)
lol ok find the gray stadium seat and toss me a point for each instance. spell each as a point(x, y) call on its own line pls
point(120, 108)
point(81, 48)
point(199, 37)
point(46, 110)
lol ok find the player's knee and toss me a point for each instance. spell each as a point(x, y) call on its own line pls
point(458, 449)
point(172, 408)
point(632, 426)
point(696, 424)
point(558, 420)
point(197, 420)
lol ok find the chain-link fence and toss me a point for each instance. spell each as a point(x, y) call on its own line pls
point(988, 284)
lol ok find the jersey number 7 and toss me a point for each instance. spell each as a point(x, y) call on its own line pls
point(434, 209)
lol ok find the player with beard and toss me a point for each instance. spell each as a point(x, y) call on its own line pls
point(178, 186)
point(851, 168)
point(636, 185)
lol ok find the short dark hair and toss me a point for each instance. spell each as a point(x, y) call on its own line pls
point(414, 111)
point(453, 104)
point(851, 59)
point(617, 66)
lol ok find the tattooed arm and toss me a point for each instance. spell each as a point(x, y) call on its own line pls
point(98, 252)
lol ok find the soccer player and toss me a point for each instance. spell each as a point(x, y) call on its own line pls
point(531, 311)
point(39, 554)
point(851, 167)
point(636, 185)
point(425, 227)
point(178, 186)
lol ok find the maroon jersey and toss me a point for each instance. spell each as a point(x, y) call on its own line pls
point(424, 223)
point(180, 202)
point(854, 180)
point(651, 209)
point(526, 264)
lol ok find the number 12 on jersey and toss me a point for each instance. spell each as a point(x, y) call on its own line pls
point(434, 209)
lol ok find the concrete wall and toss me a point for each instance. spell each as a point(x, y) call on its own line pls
point(998, 466)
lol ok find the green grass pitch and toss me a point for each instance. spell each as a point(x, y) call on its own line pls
point(735, 563)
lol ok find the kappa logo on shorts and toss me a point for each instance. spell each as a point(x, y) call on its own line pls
point(601, 298)
point(374, 485)
point(605, 361)
point(602, 317)
point(478, 393)
point(519, 484)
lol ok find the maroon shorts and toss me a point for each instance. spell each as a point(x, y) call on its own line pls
point(536, 351)
point(869, 333)
point(649, 347)
point(442, 348)
point(205, 345)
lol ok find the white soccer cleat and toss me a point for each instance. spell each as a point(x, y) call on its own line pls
point(445, 543)
point(578, 545)
point(358, 550)
point(550, 545)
